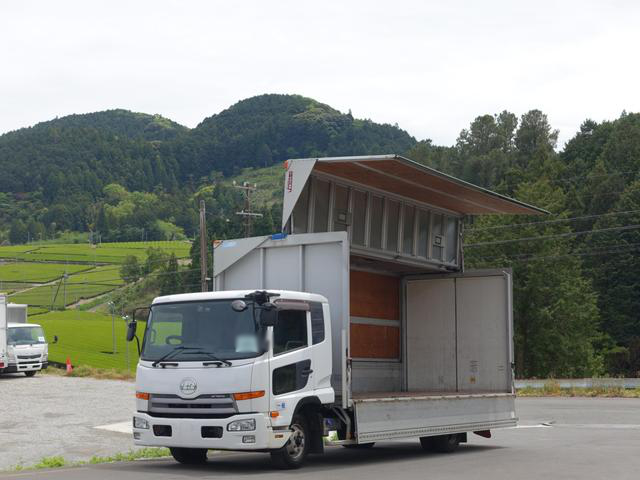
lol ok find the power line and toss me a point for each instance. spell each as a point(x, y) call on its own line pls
point(521, 258)
point(559, 235)
point(550, 222)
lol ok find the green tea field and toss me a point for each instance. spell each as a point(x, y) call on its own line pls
point(30, 272)
point(85, 253)
point(87, 339)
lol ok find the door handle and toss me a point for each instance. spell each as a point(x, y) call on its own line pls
point(306, 371)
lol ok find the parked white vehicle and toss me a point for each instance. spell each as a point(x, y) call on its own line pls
point(23, 347)
point(361, 320)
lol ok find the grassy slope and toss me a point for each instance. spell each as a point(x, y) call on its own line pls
point(86, 338)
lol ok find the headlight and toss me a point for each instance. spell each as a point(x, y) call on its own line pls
point(242, 425)
point(45, 357)
point(140, 423)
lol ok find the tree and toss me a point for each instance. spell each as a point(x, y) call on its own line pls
point(156, 260)
point(171, 280)
point(17, 232)
point(130, 270)
point(555, 307)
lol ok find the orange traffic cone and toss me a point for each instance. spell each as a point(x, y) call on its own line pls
point(69, 367)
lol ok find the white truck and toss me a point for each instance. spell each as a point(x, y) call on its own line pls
point(358, 320)
point(23, 347)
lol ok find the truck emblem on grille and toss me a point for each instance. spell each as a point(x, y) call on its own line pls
point(188, 386)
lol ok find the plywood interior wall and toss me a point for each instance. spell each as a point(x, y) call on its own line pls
point(375, 315)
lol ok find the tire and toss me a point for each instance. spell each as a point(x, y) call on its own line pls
point(360, 446)
point(189, 456)
point(427, 443)
point(30, 373)
point(446, 443)
point(293, 454)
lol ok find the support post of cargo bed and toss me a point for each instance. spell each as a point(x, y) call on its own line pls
point(511, 364)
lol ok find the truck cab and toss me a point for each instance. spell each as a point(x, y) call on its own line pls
point(23, 347)
point(233, 370)
point(27, 349)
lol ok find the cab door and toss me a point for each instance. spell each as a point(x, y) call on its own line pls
point(291, 363)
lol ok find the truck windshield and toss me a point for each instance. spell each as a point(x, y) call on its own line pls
point(210, 326)
point(25, 335)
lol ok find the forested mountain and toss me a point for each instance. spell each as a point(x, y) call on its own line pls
point(130, 176)
point(54, 174)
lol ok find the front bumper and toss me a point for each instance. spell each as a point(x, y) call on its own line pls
point(24, 367)
point(187, 433)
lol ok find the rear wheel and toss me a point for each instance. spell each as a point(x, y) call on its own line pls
point(30, 373)
point(189, 456)
point(292, 455)
point(441, 443)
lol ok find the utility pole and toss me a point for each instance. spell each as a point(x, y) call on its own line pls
point(246, 212)
point(203, 247)
point(113, 324)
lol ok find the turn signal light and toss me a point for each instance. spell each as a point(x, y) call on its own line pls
point(142, 395)
point(248, 395)
point(274, 414)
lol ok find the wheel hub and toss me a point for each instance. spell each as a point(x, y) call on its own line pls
point(295, 446)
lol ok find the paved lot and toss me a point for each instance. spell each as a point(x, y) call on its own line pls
point(50, 415)
point(587, 439)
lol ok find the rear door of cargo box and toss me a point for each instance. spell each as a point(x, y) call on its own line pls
point(314, 263)
point(459, 332)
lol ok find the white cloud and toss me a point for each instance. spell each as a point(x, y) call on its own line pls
point(431, 67)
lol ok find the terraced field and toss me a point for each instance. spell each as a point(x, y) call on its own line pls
point(83, 285)
point(85, 253)
point(30, 272)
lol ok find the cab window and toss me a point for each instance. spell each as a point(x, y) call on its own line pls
point(290, 331)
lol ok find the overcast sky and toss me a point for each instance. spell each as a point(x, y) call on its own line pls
point(429, 66)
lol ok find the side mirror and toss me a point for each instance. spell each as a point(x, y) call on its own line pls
point(239, 305)
point(268, 315)
point(131, 330)
point(55, 339)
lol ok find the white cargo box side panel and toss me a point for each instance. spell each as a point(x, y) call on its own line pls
point(313, 263)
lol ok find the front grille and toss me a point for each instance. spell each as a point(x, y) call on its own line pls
point(28, 357)
point(163, 404)
point(29, 363)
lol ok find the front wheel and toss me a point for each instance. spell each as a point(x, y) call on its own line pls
point(292, 455)
point(189, 456)
point(30, 373)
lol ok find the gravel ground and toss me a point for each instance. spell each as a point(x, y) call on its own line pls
point(50, 415)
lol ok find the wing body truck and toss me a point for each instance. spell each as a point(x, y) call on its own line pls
point(358, 323)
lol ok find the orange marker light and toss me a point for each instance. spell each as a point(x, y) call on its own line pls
point(142, 395)
point(274, 414)
point(248, 395)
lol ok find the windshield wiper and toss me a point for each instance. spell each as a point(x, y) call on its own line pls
point(213, 357)
point(169, 354)
point(195, 350)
